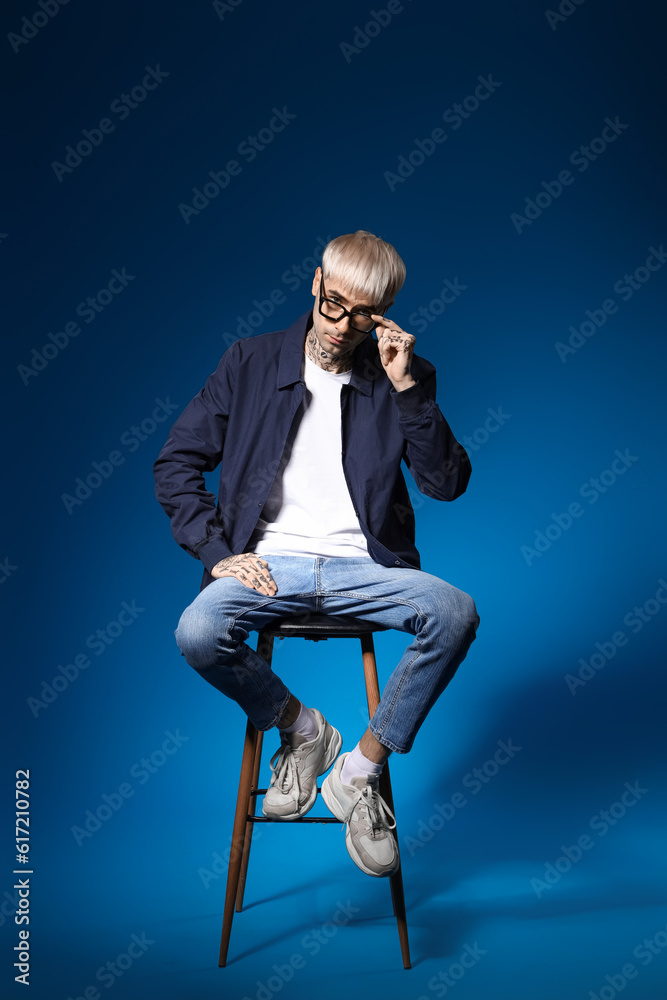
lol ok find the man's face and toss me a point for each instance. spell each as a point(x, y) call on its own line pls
point(337, 338)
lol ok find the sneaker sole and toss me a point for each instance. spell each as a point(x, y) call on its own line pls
point(359, 863)
point(332, 752)
point(334, 807)
point(332, 803)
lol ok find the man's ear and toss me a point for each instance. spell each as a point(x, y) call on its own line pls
point(317, 275)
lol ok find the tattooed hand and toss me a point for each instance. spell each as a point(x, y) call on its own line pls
point(396, 348)
point(250, 569)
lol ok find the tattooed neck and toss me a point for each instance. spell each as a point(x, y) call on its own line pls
point(323, 359)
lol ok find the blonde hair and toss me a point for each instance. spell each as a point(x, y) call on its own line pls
point(366, 265)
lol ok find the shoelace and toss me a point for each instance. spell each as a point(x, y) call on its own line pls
point(285, 773)
point(377, 810)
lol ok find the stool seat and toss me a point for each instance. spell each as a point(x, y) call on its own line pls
point(319, 626)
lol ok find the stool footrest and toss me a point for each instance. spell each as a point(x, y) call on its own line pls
point(262, 791)
point(302, 819)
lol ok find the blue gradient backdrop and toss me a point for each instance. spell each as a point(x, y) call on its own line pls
point(478, 877)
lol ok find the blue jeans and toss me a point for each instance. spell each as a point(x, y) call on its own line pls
point(212, 631)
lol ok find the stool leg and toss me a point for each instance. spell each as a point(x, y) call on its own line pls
point(243, 828)
point(265, 650)
point(250, 826)
point(238, 836)
point(395, 881)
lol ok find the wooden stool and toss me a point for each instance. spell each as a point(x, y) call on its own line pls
point(316, 627)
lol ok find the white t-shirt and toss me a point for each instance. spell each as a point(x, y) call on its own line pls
point(309, 511)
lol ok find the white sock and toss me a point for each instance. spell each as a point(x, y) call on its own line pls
point(357, 764)
point(305, 724)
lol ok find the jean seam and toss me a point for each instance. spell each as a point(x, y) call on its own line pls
point(397, 692)
point(257, 679)
point(366, 597)
point(423, 618)
point(234, 618)
point(279, 712)
point(386, 743)
point(231, 621)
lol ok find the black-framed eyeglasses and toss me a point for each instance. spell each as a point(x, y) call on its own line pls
point(360, 320)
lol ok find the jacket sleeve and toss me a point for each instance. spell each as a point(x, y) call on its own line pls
point(194, 446)
point(439, 465)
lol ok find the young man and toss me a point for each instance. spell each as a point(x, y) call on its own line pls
point(310, 425)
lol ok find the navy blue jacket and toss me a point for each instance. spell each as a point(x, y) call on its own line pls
point(242, 417)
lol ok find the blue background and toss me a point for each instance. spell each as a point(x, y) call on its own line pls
point(150, 868)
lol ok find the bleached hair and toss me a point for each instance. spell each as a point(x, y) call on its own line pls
point(366, 265)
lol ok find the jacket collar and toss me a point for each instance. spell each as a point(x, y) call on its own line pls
point(366, 364)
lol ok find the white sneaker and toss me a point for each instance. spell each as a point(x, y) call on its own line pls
point(369, 838)
point(296, 765)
